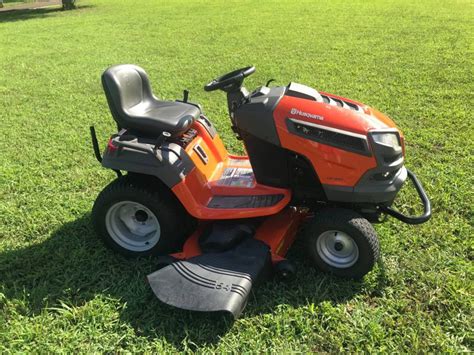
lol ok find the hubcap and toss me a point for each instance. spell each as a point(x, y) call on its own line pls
point(141, 216)
point(337, 249)
point(133, 226)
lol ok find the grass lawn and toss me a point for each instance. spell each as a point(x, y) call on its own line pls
point(16, 2)
point(61, 289)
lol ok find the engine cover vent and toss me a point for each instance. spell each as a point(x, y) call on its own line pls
point(308, 93)
point(341, 103)
point(303, 92)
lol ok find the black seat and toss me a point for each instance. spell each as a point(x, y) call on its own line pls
point(134, 106)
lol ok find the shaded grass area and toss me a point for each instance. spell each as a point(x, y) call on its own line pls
point(27, 14)
point(61, 289)
point(28, 4)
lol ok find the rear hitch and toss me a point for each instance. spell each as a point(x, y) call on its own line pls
point(424, 199)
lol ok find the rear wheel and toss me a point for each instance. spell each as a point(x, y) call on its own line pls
point(139, 217)
point(342, 242)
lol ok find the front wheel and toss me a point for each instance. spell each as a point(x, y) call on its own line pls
point(139, 218)
point(342, 242)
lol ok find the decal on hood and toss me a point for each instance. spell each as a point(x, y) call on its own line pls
point(295, 111)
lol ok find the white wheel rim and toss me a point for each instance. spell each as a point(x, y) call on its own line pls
point(337, 249)
point(133, 226)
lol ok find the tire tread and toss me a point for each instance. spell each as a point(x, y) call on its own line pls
point(159, 197)
point(339, 218)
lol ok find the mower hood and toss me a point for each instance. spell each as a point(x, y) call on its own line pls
point(333, 111)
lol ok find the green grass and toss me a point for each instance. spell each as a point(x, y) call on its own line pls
point(60, 289)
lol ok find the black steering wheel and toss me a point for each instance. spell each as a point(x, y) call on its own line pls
point(230, 81)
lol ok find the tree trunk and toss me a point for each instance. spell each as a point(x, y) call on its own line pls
point(69, 4)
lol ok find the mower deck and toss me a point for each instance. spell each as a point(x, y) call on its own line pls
point(277, 231)
point(213, 282)
point(218, 273)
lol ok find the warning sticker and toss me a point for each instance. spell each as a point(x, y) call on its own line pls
point(242, 177)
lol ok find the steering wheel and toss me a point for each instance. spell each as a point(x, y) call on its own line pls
point(230, 81)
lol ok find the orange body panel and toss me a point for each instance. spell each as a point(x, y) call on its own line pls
point(334, 166)
point(191, 247)
point(278, 232)
point(386, 122)
point(214, 148)
point(203, 182)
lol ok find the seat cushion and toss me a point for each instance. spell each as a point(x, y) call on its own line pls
point(158, 116)
point(134, 106)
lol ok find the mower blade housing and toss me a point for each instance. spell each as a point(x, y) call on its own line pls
point(214, 282)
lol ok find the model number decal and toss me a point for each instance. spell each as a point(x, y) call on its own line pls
point(222, 286)
point(295, 111)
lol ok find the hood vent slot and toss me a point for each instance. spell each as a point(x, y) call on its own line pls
point(340, 103)
point(305, 92)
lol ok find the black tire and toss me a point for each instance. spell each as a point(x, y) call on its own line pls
point(174, 222)
point(349, 224)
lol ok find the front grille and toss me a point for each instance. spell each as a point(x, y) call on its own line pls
point(321, 135)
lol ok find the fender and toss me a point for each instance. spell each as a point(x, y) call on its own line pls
point(170, 163)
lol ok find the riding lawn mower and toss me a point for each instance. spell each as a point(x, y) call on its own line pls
point(318, 167)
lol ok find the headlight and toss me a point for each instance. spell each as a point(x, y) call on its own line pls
point(387, 138)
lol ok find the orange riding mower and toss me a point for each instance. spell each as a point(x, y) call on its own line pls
point(220, 223)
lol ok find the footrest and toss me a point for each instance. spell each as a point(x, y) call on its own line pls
point(214, 281)
point(246, 201)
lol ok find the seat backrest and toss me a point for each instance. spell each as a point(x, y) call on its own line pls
point(125, 86)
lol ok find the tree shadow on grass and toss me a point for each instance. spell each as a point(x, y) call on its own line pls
point(72, 266)
point(27, 14)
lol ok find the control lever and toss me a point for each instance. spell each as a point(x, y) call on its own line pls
point(162, 138)
point(269, 82)
point(185, 100)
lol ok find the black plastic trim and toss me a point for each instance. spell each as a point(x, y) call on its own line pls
point(424, 199)
point(303, 92)
point(134, 154)
point(292, 124)
point(208, 125)
point(255, 117)
point(387, 156)
point(95, 144)
point(201, 153)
